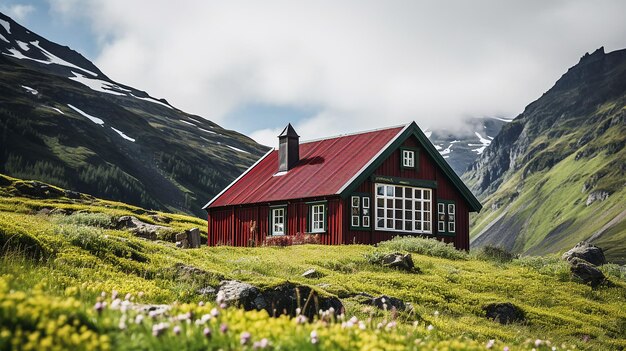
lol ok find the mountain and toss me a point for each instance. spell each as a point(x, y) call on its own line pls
point(63, 121)
point(462, 148)
point(555, 175)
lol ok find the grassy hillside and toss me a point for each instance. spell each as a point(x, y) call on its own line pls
point(555, 175)
point(56, 267)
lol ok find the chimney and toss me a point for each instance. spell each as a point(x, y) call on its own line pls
point(288, 149)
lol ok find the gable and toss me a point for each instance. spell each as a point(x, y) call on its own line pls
point(412, 136)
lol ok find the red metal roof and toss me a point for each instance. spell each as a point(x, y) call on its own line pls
point(325, 167)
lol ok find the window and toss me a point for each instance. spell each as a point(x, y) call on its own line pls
point(446, 217)
point(356, 211)
point(360, 211)
point(403, 208)
point(278, 220)
point(408, 158)
point(318, 218)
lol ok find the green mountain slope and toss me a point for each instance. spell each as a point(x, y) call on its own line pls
point(556, 174)
point(58, 255)
point(65, 122)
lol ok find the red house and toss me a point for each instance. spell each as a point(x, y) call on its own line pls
point(359, 188)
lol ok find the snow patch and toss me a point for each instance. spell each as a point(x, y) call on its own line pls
point(98, 85)
point(57, 110)
point(155, 101)
point(502, 119)
point(191, 124)
point(95, 120)
point(483, 143)
point(208, 131)
point(3, 38)
point(52, 59)
point(205, 139)
point(23, 45)
point(6, 25)
point(438, 147)
point(123, 135)
point(30, 90)
point(447, 150)
point(428, 133)
point(237, 149)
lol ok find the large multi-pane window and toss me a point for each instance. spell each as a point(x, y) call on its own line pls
point(278, 221)
point(318, 218)
point(403, 208)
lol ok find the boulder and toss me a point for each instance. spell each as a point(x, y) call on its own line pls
point(72, 194)
point(398, 261)
point(38, 190)
point(283, 299)
point(206, 291)
point(312, 274)
point(181, 240)
point(382, 302)
point(504, 313)
point(587, 273)
point(587, 252)
point(597, 195)
point(193, 237)
point(138, 227)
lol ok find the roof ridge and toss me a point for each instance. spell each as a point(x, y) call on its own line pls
point(354, 133)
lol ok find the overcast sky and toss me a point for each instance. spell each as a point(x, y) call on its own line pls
point(331, 67)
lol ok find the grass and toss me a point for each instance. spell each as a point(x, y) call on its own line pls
point(56, 272)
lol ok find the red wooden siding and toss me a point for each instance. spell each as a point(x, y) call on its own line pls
point(427, 170)
point(223, 220)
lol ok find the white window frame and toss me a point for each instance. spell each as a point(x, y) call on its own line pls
point(365, 202)
point(355, 203)
point(408, 158)
point(451, 218)
point(318, 211)
point(420, 211)
point(279, 212)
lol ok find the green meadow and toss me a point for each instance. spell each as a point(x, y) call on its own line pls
point(69, 280)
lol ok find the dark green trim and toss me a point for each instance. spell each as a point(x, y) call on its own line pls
point(413, 129)
point(404, 181)
point(415, 157)
point(271, 222)
point(360, 227)
point(316, 202)
point(436, 212)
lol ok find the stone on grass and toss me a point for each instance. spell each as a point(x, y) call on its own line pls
point(312, 274)
point(385, 302)
point(504, 313)
point(398, 261)
point(587, 273)
point(587, 252)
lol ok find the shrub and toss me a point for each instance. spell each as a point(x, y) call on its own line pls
point(288, 240)
point(423, 246)
point(100, 220)
point(495, 253)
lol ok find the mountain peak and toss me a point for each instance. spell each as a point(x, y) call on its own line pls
point(599, 53)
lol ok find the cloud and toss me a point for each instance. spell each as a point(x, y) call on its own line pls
point(363, 64)
point(18, 12)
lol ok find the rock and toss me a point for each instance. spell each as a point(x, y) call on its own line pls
point(181, 240)
point(504, 313)
point(44, 211)
point(587, 273)
point(282, 299)
point(60, 211)
point(382, 302)
point(193, 237)
point(72, 194)
point(399, 261)
point(587, 252)
point(385, 302)
point(312, 274)
point(597, 195)
point(38, 190)
point(160, 219)
point(240, 294)
point(139, 228)
point(206, 291)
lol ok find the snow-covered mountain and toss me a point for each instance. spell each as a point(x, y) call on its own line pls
point(63, 121)
point(460, 149)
